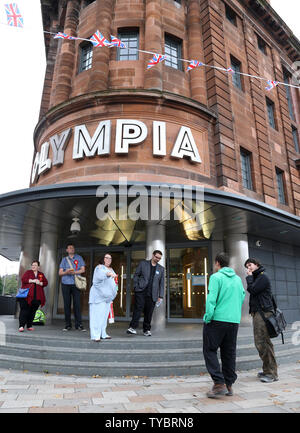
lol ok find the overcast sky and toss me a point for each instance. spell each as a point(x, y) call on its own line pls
point(21, 82)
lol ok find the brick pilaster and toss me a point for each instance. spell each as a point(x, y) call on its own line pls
point(218, 92)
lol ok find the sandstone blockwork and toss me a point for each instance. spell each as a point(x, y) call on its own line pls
point(197, 125)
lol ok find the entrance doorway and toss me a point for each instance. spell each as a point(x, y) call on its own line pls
point(187, 282)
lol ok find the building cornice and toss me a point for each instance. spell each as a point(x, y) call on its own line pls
point(274, 24)
point(128, 96)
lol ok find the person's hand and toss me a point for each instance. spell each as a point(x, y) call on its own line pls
point(249, 272)
point(70, 271)
point(30, 281)
point(110, 274)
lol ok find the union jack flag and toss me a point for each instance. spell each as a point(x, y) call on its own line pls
point(116, 42)
point(157, 58)
point(14, 18)
point(230, 70)
point(193, 65)
point(61, 35)
point(271, 85)
point(98, 40)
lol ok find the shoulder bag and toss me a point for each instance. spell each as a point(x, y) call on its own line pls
point(22, 293)
point(80, 281)
point(276, 323)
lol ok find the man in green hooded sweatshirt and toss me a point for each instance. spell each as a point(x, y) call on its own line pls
point(221, 322)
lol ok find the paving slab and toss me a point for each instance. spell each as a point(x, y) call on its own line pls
point(23, 392)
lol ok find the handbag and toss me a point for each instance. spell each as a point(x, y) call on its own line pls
point(22, 293)
point(80, 281)
point(276, 323)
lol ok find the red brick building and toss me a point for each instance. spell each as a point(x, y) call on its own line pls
point(105, 117)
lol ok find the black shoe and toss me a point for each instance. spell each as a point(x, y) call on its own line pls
point(67, 328)
point(81, 328)
point(229, 390)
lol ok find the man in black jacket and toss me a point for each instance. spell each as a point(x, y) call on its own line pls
point(148, 283)
point(260, 303)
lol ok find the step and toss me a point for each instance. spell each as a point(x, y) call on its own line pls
point(104, 351)
point(171, 368)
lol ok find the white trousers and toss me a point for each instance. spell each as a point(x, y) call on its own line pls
point(98, 320)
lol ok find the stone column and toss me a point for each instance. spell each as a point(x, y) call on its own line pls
point(236, 245)
point(197, 76)
point(48, 265)
point(155, 240)
point(153, 43)
point(67, 54)
point(99, 76)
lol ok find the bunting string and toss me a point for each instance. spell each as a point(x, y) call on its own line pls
point(15, 19)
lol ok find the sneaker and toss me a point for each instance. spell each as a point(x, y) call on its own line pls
point(131, 331)
point(81, 328)
point(260, 374)
point(268, 379)
point(21, 329)
point(30, 329)
point(67, 328)
point(147, 334)
point(217, 389)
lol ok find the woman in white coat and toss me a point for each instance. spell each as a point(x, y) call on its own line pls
point(102, 293)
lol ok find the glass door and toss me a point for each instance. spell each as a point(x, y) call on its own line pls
point(188, 281)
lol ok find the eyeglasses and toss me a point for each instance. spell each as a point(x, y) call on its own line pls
point(109, 258)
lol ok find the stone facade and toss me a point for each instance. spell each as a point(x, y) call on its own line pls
point(222, 117)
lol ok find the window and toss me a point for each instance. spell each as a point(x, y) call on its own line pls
point(87, 2)
point(230, 15)
point(236, 78)
point(173, 49)
point(261, 45)
point(280, 186)
point(296, 138)
point(286, 79)
point(246, 169)
point(131, 40)
point(86, 56)
point(271, 112)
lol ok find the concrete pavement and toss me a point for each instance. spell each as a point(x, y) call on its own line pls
point(23, 391)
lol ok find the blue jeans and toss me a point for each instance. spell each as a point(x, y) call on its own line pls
point(70, 291)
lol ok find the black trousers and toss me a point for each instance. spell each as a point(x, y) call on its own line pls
point(142, 303)
point(70, 292)
point(27, 312)
point(221, 335)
